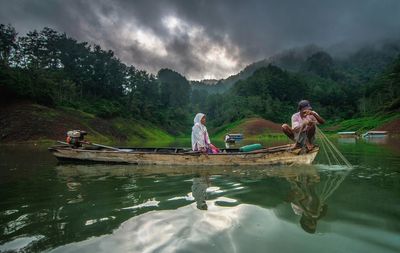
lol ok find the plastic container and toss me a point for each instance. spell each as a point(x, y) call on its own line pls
point(251, 147)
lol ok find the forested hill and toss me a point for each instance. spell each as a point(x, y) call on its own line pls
point(362, 64)
point(52, 69)
point(359, 84)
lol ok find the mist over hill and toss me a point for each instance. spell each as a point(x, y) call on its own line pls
point(362, 60)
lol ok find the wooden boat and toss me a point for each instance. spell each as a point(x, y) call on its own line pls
point(232, 138)
point(377, 134)
point(284, 155)
point(236, 136)
point(347, 134)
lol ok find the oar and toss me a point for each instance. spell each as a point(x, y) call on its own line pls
point(61, 142)
point(94, 144)
point(104, 146)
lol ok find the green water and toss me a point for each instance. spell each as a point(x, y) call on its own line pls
point(45, 206)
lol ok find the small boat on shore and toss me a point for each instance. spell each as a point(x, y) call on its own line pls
point(233, 138)
point(280, 155)
point(348, 134)
point(375, 134)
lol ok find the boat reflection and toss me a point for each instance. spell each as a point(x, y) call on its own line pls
point(347, 140)
point(66, 171)
point(307, 194)
point(377, 140)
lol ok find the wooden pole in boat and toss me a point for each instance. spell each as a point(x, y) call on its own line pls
point(104, 146)
point(94, 144)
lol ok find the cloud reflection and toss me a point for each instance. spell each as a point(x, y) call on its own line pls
point(185, 229)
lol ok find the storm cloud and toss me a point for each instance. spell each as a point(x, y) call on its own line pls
point(206, 39)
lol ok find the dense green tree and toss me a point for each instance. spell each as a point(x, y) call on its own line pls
point(199, 99)
point(175, 89)
point(8, 37)
point(321, 64)
point(384, 92)
point(142, 92)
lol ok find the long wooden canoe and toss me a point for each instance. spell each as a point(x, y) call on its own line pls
point(179, 156)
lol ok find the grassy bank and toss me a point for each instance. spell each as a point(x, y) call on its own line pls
point(256, 129)
point(251, 128)
point(363, 124)
point(32, 123)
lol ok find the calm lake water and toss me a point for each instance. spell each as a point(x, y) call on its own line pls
point(46, 206)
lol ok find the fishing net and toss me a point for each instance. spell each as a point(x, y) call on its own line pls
point(333, 155)
point(309, 194)
point(338, 166)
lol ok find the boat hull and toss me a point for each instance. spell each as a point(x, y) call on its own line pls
point(263, 157)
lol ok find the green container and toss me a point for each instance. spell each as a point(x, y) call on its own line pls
point(251, 147)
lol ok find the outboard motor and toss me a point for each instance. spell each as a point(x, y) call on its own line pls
point(75, 138)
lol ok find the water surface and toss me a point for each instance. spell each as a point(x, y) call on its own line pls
point(46, 206)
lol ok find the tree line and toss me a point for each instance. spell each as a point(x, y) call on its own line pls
point(53, 69)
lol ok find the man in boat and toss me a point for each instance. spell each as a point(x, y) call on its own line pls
point(200, 139)
point(303, 126)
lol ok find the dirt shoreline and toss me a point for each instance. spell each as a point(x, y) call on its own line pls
point(23, 122)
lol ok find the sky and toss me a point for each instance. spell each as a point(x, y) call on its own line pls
point(210, 39)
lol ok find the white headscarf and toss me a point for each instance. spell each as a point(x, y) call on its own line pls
point(199, 133)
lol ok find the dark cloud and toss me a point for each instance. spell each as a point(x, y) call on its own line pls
point(206, 38)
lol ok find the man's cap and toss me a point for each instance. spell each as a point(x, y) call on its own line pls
point(304, 104)
point(308, 224)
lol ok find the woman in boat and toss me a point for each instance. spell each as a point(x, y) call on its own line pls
point(200, 139)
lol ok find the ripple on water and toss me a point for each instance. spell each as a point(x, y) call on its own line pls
point(214, 189)
point(17, 224)
point(93, 221)
point(149, 203)
point(377, 172)
point(18, 244)
point(9, 212)
point(188, 197)
point(225, 201)
point(335, 167)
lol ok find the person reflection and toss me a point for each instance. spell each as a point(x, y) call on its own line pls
point(199, 191)
point(306, 202)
